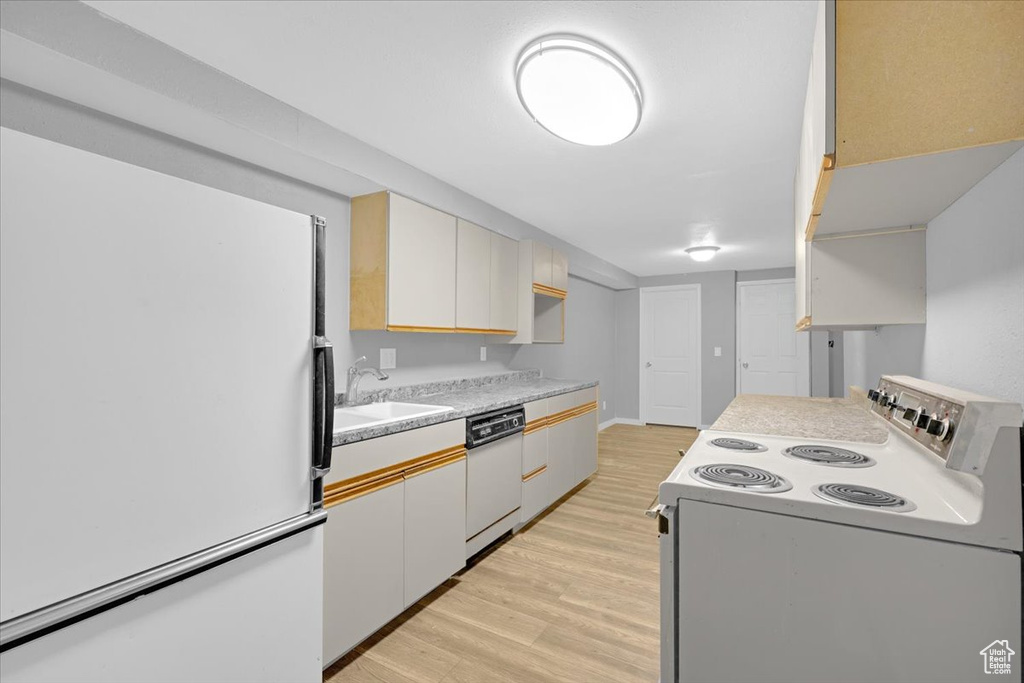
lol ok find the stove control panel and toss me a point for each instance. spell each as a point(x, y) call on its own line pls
point(930, 420)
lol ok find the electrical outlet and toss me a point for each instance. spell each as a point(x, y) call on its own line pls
point(388, 359)
point(604, 405)
point(483, 353)
point(718, 350)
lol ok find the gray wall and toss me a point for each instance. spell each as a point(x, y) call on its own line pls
point(718, 328)
point(627, 354)
point(974, 335)
point(590, 320)
point(765, 274)
point(589, 348)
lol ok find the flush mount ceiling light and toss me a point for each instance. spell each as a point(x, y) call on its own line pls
point(702, 253)
point(578, 90)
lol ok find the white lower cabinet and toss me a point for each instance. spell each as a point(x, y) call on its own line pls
point(364, 567)
point(536, 495)
point(435, 524)
point(561, 458)
point(396, 523)
point(585, 434)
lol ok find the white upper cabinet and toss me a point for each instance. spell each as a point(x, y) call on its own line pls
point(908, 106)
point(541, 264)
point(559, 270)
point(504, 284)
point(473, 278)
point(541, 292)
point(416, 269)
point(421, 265)
point(402, 266)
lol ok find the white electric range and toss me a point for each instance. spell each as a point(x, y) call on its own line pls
point(794, 559)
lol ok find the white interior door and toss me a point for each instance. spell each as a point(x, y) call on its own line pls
point(670, 356)
point(773, 357)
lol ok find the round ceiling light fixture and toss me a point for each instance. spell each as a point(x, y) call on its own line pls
point(702, 253)
point(578, 90)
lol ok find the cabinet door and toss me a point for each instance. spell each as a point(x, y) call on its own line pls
point(435, 527)
point(541, 264)
point(504, 283)
point(559, 270)
point(473, 277)
point(585, 431)
point(421, 266)
point(535, 450)
point(561, 459)
point(363, 567)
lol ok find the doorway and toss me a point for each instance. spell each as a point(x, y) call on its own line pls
point(670, 355)
point(771, 356)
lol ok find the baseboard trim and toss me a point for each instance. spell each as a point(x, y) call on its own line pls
point(618, 421)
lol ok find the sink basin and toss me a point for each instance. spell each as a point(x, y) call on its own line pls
point(372, 414)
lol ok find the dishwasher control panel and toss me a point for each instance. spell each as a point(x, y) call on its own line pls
point(481, 429)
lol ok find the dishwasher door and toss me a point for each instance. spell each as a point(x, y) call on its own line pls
point(493, 482)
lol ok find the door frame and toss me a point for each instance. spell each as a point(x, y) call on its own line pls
point(739, 335)
point(700, 355)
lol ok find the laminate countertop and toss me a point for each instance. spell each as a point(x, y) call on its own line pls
point(465, 397)
point(836, 419)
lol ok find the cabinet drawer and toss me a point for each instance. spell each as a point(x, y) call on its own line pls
point(557, 404)
point(536, 496)
point(362, 457)
point(536, 410)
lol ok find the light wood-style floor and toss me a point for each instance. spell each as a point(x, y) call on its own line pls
point(572, 597)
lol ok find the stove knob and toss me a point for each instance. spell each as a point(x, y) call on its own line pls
point(940, 429)
point(910, 415)
point(922, 420)
point(873, 395)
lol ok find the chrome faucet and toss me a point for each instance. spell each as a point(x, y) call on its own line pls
point(354, 375)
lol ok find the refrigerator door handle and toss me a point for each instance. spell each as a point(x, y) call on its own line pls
point(323, 417)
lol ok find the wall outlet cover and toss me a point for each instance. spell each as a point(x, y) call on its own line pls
point(388, 359)
point(718, 350)
point(483, 353)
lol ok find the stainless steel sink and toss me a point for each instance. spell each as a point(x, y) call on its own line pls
point(347, 418)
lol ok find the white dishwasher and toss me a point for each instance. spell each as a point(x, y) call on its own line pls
point(494, 462)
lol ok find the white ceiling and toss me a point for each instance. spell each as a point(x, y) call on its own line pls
point(431, 83)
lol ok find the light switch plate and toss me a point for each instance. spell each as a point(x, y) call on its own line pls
point(718, 350)
point(483, 353)
point(388, 359)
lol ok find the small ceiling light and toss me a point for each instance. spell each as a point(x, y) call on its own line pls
point(578, 90)
point(702, 253)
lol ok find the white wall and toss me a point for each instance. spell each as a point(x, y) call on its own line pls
point(974, 335)
point(975, 328)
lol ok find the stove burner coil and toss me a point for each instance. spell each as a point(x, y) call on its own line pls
point(740, 477)
point(863, 496)
point(738, 445)
point(828, 455)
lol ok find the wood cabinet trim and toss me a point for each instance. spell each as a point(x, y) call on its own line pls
point(477, 330)
point(362, 484)
point(434, 464)
point(338, 497)
point(535, 425)
point(415, 328)
point(549, 291)
point(571, 413)
point(537, 472)
point(828, 166)
point(803, 324)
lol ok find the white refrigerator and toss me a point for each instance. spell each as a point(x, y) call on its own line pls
point(166, 394)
